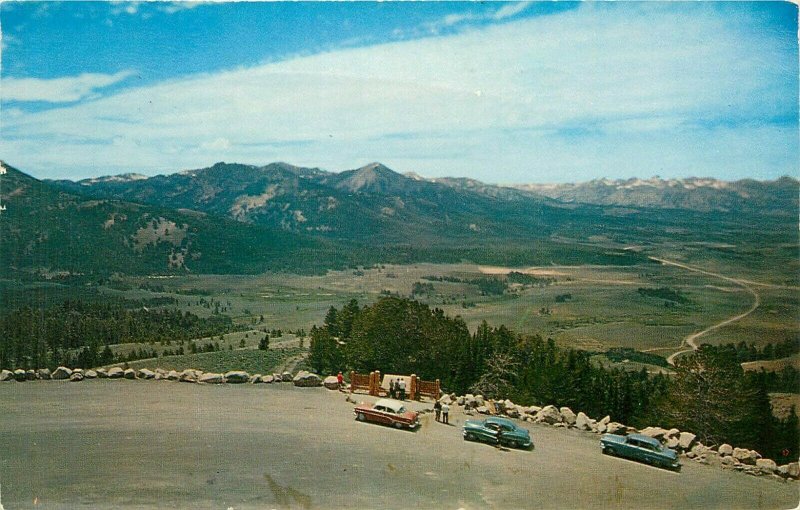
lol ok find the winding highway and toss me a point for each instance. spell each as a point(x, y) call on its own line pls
point(689, 341)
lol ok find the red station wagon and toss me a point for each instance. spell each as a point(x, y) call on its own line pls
point(387, 412)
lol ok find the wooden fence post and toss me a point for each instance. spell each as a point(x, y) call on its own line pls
point(377, 383)
point(413, 392)
point(352, 381)
point(438, 390)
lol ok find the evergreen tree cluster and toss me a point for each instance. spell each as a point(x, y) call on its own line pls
point(78, 333)
point(709, 394)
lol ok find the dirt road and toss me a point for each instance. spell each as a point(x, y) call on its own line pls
point(153, 444)
point(690, 340)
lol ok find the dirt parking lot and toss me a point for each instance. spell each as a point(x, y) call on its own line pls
point(152, 444)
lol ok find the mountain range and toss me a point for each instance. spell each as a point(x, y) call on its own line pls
point(698, 194)
point(236, 218)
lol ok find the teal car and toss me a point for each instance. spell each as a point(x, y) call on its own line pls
point(641, 448)
point(497, 431)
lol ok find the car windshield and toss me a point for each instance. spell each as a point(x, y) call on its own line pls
point(401, 410)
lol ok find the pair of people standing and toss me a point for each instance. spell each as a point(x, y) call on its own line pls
point(442, 411)
point(397, 389)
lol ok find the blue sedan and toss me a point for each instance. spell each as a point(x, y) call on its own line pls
point(497, 431)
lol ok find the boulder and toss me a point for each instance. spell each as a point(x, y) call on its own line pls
point(489, 404)
point(605, 421)
point(90, 374)
point(305, 379)
point(654, 432)
point(269, 379)
point(331, 382)
point(255, 379)
point(172, 375)
point(115, 373)
point(210, 378)
point(76, 377)
point(568, 416)
point(129, 373)
point(532, 410)
point(725, 449)
point(146, 374)
point(460, 401)
point(189, 375)
point(6, 375)
point(791, 470)
point(513, 412)
point(615, 428)
point(61, 373)
point(479, 400)
point(548, 414)
point(159, 376)
point(286, 377)
point(30, 375)
point(237, 377)
point(583, 422)
point(673, 442)
point(20, 375)
point(766, 465)
point(102, 373)
point(751, 470)
point(43, 373)
point(482, 409)
point(686, 440)
point(446, 399)
point(699, 449)
point(672, 433)
point(745, 456)
point(728, 461)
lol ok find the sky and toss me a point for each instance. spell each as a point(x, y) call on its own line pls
point(503, 92)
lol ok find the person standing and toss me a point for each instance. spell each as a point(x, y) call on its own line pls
point(392, 388)
point(340, 380)
point(437, 409)
point(445, 413)
point(402, 384)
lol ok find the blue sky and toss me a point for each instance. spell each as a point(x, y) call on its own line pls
point(499, 91)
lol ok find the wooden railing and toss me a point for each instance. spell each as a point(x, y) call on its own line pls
point(430, 389)
point(374, 385)
point(360, 382)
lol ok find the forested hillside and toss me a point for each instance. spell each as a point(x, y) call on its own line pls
point(709, 393)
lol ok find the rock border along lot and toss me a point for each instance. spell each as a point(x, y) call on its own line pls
point(725, 455)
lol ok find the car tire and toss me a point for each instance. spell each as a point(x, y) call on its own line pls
point(469, 436)
point(607, 451)
point(361, 417)
point(398, 425)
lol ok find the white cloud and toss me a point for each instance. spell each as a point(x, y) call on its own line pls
point(455, 19)
point(583, 91)
point(220, 144)
point(510, 9)
point(173, 7)
point(58, 90)
point(6, 40)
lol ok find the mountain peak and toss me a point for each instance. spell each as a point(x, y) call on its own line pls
point(376, 167)
point(374, 177)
